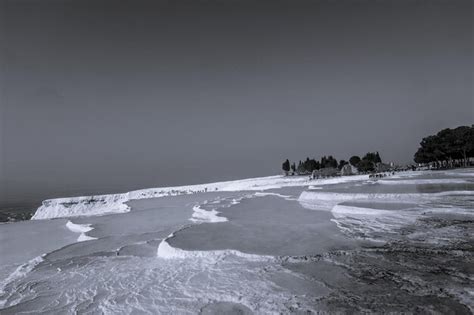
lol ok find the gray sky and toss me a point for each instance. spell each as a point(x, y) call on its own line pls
point(103, 96)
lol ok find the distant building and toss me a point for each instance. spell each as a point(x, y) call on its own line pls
point(325, 172)
point(382, 167)
point(354, 169)
point(346, 170)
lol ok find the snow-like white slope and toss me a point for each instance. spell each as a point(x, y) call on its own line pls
point(82, 229)
point(116, 203)
point(436, 181)
point(264, 194)
point(19, 273)
point(467, 172)
point(380, 221)
point(210, 216)
point(166, 251)
point(79, 206)
point(327, 200)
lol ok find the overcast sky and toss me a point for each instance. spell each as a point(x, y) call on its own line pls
point(103, 96)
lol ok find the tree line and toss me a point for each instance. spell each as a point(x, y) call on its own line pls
point(449, 147)
point(367, 163)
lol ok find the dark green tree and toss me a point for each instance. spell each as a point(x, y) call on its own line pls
point(286, 166)
point(328, 161)
point(318, 165)
point(301, 168)
point(365, 166)
point(463, 143)
point(370, 156)
point(377, 157)
point(307, 166)
point(447, 146)
point(332, 162)
point(341, 164)
point(354, 160)
point(311, 164)
point(428, 151)
point(323, 161)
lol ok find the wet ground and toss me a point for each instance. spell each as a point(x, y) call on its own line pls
point(267, 225)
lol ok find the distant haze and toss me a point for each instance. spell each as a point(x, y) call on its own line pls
point(108, 96)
